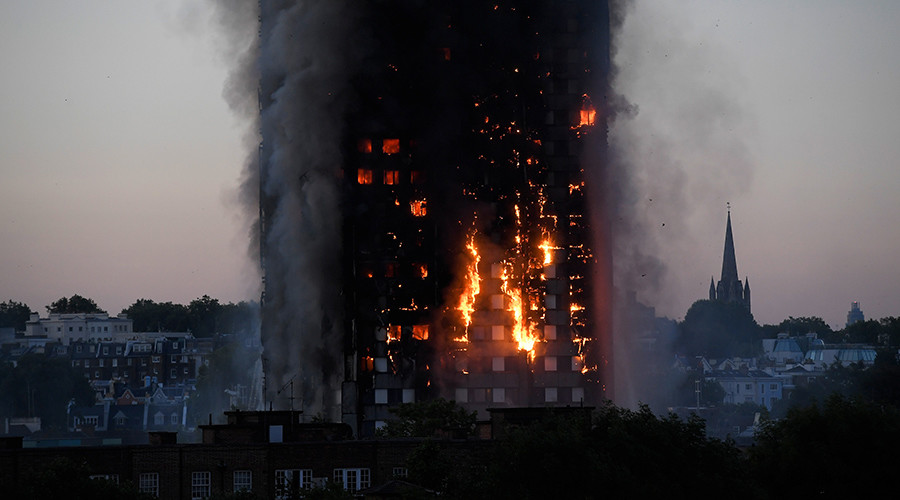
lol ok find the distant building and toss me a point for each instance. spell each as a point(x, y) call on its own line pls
point(66, 328)
point(729, 288)
point(855, 314)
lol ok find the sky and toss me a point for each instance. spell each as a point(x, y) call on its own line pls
point(120, 159)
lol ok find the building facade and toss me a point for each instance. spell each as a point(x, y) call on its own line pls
point(472, 251)
point(730, 288)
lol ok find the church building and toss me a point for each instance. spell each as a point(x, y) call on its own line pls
point(729, 288)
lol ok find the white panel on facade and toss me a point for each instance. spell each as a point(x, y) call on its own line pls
point(497, 301)
point(496, 270)
point(409, 395)
point(498, 364)
point(550, 271)
point(462, 395)
point(381, 396)
point(497, 332)
point(550, 395)
point(577, 365)
point(381, 334)
point(381, 365)
point(550, 363)
point(577, 394)
point(549, 332)
point(550, 301)
point(498, 395)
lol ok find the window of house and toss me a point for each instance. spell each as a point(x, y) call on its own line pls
point(498, 395)
point(400, 472)
point(391, 177)
point(498, 364)
point(87, 363)
point(148, 482)
point(748, 387)
point(289, 482)
point(76, 363)
point(97, 374)
point(173, 419)
point(420, 332)
point(364, 145)
point(118, 349)
point(113, 478)
point(115, 362)
point(120, 420)
point(92, 420)
point(105, 350)
point(200, 485)
point(550, 363)
point(100, 362)
point(105, 328)
point(159, 419)
point(77, 348)
point(418, 208)
point(551, 394)
point(155, 359)
point(243, 480)
point(173, 373)
point(773, 387)
point(353, 479)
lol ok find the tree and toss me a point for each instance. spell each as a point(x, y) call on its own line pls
point(430, 419)
point(719, 329)
point(14, 315)
point(67, 478)
point(76, 304)
point(150, 316)
point(843, 449)
point(42, 386)
point(204, 312)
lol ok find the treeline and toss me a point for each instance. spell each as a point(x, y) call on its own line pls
point(840, 449)
point(203, 316)
point(717, 329)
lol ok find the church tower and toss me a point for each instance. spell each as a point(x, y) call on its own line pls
point(730, 288)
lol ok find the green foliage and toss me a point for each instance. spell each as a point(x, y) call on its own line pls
point(711, 392)
point(74, 304)
point(14, 315)
point(803, 325)
point(429, 419)
point(66, 478)
point(42, 386)
point(204, 317)
point(331, 491)
point(150, 316)
point(719, 329)
point(843, 449)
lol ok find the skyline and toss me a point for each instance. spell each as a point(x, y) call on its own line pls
point(121, 160)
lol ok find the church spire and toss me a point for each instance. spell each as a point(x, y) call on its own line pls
point(729, 262)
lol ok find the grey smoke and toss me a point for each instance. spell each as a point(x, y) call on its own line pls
point(299, 62)
point(677, 154)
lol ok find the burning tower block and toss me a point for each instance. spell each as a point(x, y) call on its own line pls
point(473, 253)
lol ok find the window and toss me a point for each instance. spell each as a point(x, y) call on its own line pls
point(390, 146)
point(364, 176)
point(173, 373)
point(200, 485)
point(551, 394)
point(352, 479)
point(87, 363)
point(773, 387)
point(748, 387)
point(159, 419)
point(105, 350)
point(120, 419)
point(115, 362)
point(416, 177)
point(92, 420)
point(364, 145)
point(155, 359)
point(400, 472)
point(288, 482)
point(420, 332)
point(100, 363)
point(381, 396)
point(173, 419)
point(417, 208)
point(391, 177)
point(498, 364)
point(243, 480)
point(148, 482)
point(498, 395)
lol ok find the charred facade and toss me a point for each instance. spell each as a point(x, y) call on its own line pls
point(472, 260)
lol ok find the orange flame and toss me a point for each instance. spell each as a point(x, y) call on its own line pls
point(523, 332)
point(547, 246)
point(472, 289)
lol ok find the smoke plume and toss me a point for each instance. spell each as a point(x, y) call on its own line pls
point(677, 154)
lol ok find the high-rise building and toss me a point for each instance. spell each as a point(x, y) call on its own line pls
point(729, 288)
point(472, 259)
point(855, 314)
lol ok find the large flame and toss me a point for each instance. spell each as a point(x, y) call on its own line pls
point(523, 332)
point(472, 288)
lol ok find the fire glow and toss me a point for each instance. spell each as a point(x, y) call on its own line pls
point(472, 288)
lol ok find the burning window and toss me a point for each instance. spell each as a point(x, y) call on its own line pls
point(416, 177)
point(420, 332)
point(446, 53)
point(367, 363)
point(417, 207)
point(394, 332)
point(390, 146)
point(422, 270)
point(391, 177)
point(364, 145)
point(364, 176)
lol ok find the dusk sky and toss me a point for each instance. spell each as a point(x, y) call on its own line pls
point(121, 159)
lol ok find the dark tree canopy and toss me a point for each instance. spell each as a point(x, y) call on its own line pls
point(41, 386)
point(150, 316)
point(719, 329)
point(73, 305)
point(429, 419)
point(14, 315)
point(204, 317)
